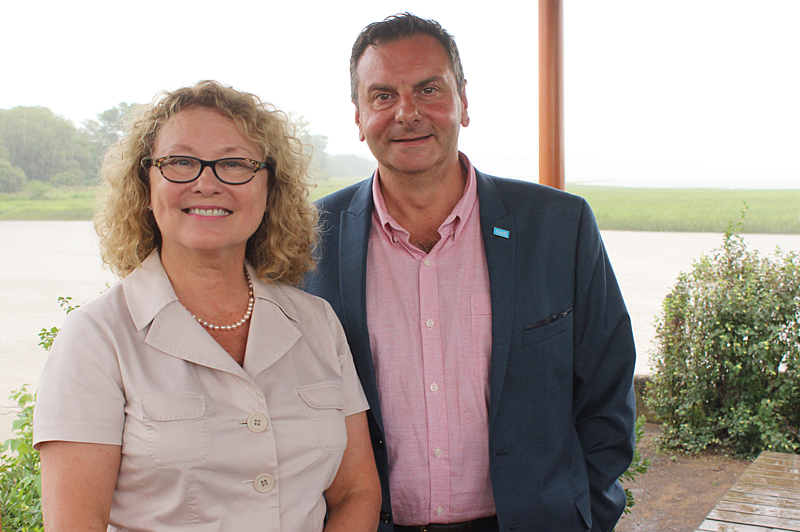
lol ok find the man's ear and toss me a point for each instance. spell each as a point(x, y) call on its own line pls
point(464, 105)
point(361, 136)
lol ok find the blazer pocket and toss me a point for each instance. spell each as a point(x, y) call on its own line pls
point(325, 405)
point(547, 328)
point(177, 429)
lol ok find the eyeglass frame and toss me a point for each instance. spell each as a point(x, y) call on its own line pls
point(149, 162)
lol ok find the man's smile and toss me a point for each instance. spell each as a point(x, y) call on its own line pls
point(414, 139)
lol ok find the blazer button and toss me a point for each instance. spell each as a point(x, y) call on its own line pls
point(385, 517)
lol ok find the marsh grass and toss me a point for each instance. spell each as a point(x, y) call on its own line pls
point(49, 203)
point(616, 208)
point(329, 186)
point(692, 210)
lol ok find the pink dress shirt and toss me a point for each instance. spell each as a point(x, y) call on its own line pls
point(430, 324)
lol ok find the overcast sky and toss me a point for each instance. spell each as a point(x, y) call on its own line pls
point(678, 92)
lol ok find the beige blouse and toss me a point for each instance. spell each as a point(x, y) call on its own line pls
point(206, 444)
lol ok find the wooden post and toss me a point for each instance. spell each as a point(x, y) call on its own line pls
point(551, 94)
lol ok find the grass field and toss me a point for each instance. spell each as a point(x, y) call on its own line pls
point(617, 208)
point(695, 210)
point(47, 203)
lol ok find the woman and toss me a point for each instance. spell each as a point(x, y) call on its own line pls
point(202, 392)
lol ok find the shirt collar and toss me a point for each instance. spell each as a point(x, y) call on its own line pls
point(274, 293)
point(148, 290)
point(455, 221)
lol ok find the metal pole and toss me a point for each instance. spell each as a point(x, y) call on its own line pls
point(551, 94)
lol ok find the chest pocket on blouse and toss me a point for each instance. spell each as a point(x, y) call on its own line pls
point(177, 429)
point(325, 406)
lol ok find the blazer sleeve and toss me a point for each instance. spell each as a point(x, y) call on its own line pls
point(604, 359)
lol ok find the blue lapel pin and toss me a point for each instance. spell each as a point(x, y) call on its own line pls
point(505, 233)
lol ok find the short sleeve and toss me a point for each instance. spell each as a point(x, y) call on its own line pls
point(354, 399)
point(80, 396)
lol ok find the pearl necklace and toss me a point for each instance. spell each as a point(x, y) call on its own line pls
point(239, 323)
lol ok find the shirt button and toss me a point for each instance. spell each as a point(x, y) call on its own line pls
point(429, 323)
point(264, 483)
point(257, 422)
point(426, 262)
point(434, 387)
point(437, 452)
point(439, 510)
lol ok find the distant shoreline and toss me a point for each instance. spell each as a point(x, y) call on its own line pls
point(696, 210)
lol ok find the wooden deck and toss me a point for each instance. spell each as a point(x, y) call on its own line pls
point(765, 499)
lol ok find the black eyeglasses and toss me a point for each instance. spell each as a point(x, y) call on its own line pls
point(185, 169)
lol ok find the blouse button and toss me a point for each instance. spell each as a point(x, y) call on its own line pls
point(257, 422)
point(264, 483)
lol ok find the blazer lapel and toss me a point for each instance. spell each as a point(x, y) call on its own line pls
point(356, 222)
point(499, 241)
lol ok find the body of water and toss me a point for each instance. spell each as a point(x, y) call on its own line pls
point(42, 261)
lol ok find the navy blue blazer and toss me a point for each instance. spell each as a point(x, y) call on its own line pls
point(561, 409)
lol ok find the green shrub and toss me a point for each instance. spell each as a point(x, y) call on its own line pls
point(12, 178)
point(727, 358)
point(20, 474)
point(639, 464)
point(38, 190)
point(70, 178)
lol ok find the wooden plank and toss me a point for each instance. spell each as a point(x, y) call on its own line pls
point(719, 526)
point(766, 468)
point(758, 520)
point(790, 461)
point(788, 484)
point(777, 461)
point(764, 500)
point(786, 514)
point(766, 490)
point(780, 456)
point(783, 473)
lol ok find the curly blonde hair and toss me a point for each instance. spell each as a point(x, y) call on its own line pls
point(280, 249)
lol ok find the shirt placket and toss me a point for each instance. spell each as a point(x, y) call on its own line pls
point(435, 393)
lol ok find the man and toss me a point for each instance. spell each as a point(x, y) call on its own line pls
point(486, 324)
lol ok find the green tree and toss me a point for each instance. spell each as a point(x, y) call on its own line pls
point(323, 165)
point(109, 126)
point(44, 144)
point(316, 143)
point(70, 178)
point(12, 178)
